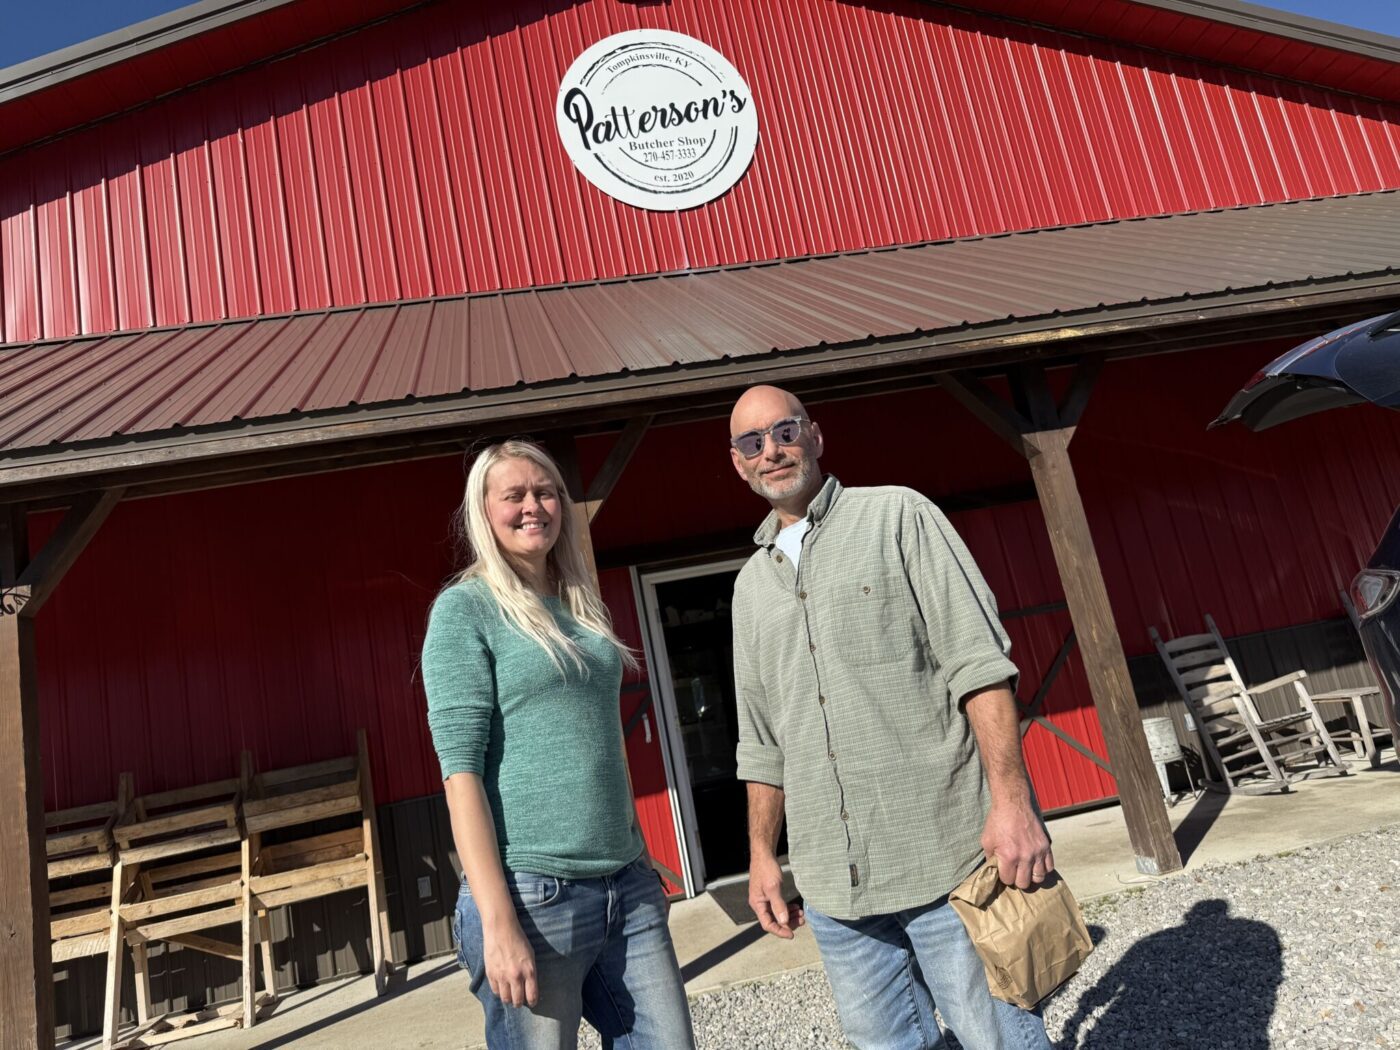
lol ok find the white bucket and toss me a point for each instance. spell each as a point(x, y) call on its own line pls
point(1163, 746)
point(1162, 743)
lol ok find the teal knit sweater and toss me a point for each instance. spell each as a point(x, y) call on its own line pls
point(548, 747)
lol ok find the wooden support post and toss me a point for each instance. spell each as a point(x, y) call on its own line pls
point(1041, 431)
point(1144, 809)
point(141, 971)
point(587, 503)
point(78, 526)
point(563, 452)
point(26, 966)
point(26, 959)
point(268, 963)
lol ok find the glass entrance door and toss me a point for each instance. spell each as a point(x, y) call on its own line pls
point(697, 634)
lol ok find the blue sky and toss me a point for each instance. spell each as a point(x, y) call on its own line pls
point(35, 27)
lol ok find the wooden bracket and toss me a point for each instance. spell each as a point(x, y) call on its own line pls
point(1080, 387)
point(1029, 713)
point(1001, 418)
point(1031, 392)
point(48, 567)
point(627, 443)
point(1026, 424)
point(587, 503)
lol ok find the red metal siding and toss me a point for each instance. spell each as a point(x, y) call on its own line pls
point(419, 158)
point(278, 618)
point(1012, 548)
point(1261, 530)
point(197, 626)
point(905, 447)
point(168, 68)
point(282, 616)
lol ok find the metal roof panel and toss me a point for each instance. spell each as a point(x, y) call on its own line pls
point(158, 381)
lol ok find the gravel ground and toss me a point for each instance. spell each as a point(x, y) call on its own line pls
point(1300, 950)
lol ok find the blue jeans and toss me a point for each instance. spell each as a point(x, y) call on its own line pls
point(888, 971)
point(602, 952)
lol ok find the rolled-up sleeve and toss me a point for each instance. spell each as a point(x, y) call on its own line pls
point(459, 681)
point(758, 755)
point(958, 607)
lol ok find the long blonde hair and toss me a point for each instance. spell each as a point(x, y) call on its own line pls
point(521, 606)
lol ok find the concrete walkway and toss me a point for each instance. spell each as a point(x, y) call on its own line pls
point(431, 1008)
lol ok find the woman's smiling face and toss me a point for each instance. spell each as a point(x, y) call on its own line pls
point(522, 504)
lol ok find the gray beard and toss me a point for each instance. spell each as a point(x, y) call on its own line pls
point(783, 489)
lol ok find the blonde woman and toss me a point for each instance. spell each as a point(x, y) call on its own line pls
point(560, 916)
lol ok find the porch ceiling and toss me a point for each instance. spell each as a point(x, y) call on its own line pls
point(102, 410)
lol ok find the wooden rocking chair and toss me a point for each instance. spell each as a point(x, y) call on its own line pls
point(1252, 754)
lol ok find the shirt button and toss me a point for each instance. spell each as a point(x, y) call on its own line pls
point(831, 755)
point(778, 557)
point(812, 647)
point(843, 815)
point(821, 700)
point(802, 595)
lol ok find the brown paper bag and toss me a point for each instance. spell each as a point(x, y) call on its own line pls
point(1030, 941)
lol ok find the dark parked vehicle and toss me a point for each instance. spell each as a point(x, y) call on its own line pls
point(1349, 366)
point(1374, 593)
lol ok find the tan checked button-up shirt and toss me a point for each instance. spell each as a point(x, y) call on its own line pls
point(849, 673)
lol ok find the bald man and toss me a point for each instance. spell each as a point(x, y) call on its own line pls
point(876, 716)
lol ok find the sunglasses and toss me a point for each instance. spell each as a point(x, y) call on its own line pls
point(784, 431)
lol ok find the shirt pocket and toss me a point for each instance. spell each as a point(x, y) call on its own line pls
point(872, 622)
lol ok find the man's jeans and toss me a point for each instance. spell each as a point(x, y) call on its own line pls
point(602, 951)
point(888, 971)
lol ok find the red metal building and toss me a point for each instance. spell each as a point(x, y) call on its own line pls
point(268, 269)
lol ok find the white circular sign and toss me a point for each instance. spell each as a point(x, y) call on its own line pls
point(657, 119)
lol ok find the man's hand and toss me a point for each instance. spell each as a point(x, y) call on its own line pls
point(1013, 834)
point(766, 899)
point(1015, 838)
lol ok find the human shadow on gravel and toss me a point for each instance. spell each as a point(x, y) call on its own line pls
point(1208, 984)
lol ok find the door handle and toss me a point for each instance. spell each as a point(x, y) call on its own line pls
point(646, 727)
